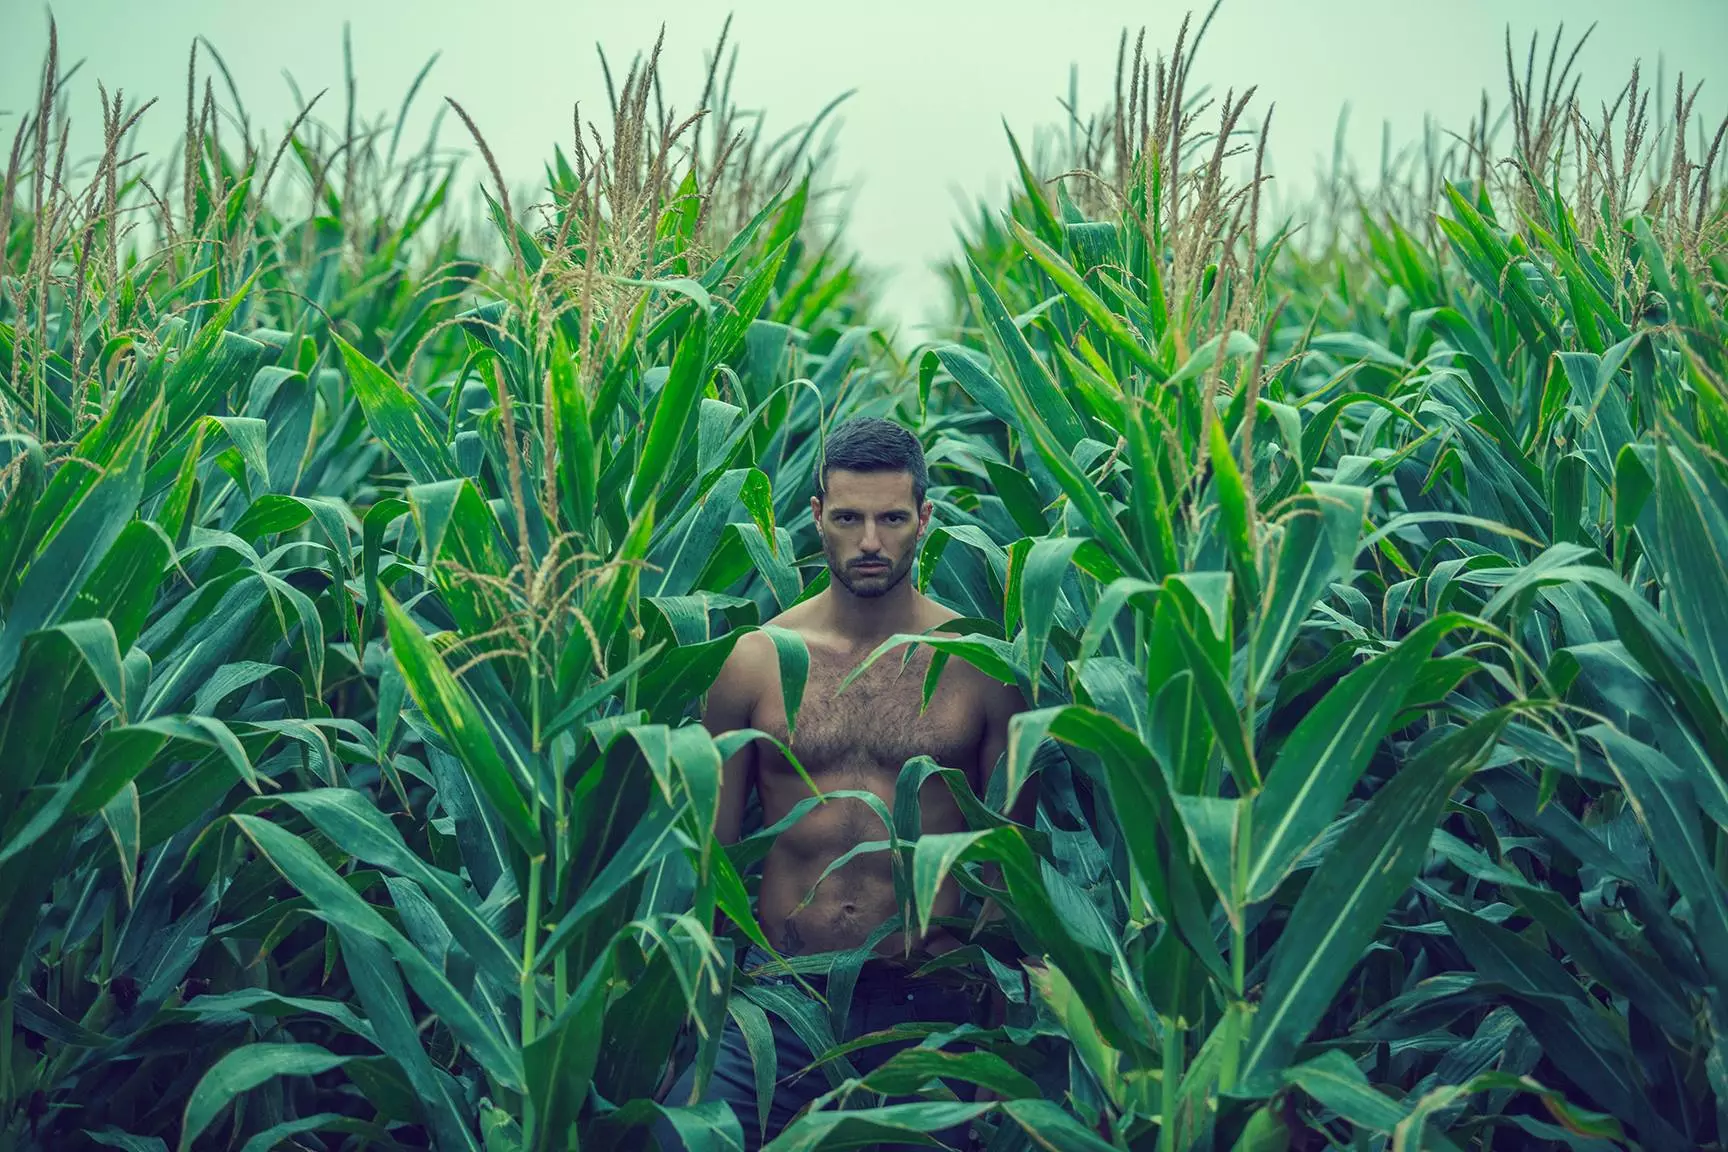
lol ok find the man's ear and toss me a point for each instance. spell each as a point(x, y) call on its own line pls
point(816, 512)
point(924, 516)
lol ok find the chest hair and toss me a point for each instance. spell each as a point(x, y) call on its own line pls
point(875, 726)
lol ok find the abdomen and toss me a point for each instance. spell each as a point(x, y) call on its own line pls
point(805, 907)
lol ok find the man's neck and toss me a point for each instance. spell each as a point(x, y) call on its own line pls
point(868, 620)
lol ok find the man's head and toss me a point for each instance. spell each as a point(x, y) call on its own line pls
point(869, 504)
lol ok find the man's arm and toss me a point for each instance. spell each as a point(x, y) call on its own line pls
point(1002, 702)
point(730, 705)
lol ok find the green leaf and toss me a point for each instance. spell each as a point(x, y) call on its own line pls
point(577, 454)
point(377, 521)
point(1214, 829)
point(592, 696)
point(262, 1002)
point(906, 1072)
point(1335, 1081)
point(968, 368)
point(995, 658)
point(464, 548)
point(1034, 413)
point(794, 662)
point(903, 1124)
point(607, 606)
point(651, 840)
point(772, 560)
point(277, 1135)
point(352, 821)
point(1051, 1127)
point(1101, 1060)
point(96, 644)
point(757, 495)
point(397, 419)
point(43, 1018)
point(29, 468)
point(1046, 569)
point(1215, 698)
point(458, 719)
point(746, 303)
point(250, 437)
point(1317, 431)
point(1030, 380)
point(338, 904)
point(1319, 764)
point(1356, 346)
point(54, 578)
point(124, 752)
point(711, 1126)
point(783, 211)
point(1018, 494)
point(672, 410)
point(428, 1094)
point(215, 362)
point(1342, 907)
point(1149, 502)
point(1692, 514)
point(1047, 222)
point(114, 1138)
point(1316, 546)
point(1235, 511)
point(559, 1063)
point(122, 816)
point(936, 854)
point(1089, 302)
point(1580, 1041)
point(244, 1068)
point(1665, 806)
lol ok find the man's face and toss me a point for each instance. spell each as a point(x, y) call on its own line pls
point(870, 524)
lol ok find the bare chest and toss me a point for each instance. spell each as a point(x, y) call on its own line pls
point(876, 724)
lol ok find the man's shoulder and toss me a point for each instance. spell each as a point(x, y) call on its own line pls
point(937, 617)
point(802, 618)
point(988, 689)
point(755, 650)
point(750, 650)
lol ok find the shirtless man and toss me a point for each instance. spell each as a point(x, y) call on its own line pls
point(870, 512)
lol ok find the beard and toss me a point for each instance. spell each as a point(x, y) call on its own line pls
point(867, 584)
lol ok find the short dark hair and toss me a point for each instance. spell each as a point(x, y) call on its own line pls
point(869, 444)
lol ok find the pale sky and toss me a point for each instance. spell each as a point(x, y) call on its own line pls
point(935, 78)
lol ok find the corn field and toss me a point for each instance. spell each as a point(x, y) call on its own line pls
point(362, 570)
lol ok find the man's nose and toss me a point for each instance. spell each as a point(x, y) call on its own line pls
point(870, 542)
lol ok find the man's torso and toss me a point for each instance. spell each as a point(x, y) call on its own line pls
point(857, 739)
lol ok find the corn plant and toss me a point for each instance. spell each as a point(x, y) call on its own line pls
point(348, 631)
point(362, 573)
point(1377, 620)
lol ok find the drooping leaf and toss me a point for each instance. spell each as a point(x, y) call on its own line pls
point(244, 1068)
point(1342, 906)
point(397, 419)
point(459, 721)
point(1323, 758)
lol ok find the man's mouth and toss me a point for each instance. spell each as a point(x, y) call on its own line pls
point(870, 566)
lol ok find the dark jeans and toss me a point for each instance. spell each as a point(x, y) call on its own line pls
point(883, 997)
